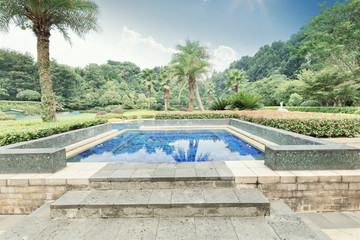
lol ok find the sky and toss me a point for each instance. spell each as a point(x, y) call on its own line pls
point(146, 32)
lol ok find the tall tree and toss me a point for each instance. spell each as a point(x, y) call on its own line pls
point(165, 82)
point(191, 62)
point(236, 78)
point(148, 79)
point(41, 16)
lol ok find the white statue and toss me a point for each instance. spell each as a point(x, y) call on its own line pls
point(281, 109)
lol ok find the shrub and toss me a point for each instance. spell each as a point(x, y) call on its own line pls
point(220, 104)
point(310, 103)
point(110, 97)
point(101, 113)
point(184, 109)
point(295, 100)
point(30, 108)
point(244, 100)
point(1, 113)
point(118, 111)
point(7, 117)
point(110, 116)
point(19, 131)
point(28, 95)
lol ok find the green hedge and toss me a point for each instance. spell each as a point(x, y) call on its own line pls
point(344, 110)
point(14, 132)
point(124, 116)
point(30, 108)
point(337, 126)
point(7, 117)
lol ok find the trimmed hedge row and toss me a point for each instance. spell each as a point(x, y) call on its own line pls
point(320, 125)
point(28, 130)
point(344, 110)
point(30, 108)
point(7, 117)
point(125, 117)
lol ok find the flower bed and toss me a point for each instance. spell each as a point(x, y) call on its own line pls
point(14, 132)
point(311, 124)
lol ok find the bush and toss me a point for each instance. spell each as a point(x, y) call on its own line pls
point(7, 117)
point(110, 97)
point(310, 103)
point(295, 100)
point(28, 95)
point(311, 124)
point(244, 100)
point(343, 110)
point(110, 116)
point(118, 111)
point(1, 113)
point(220, 104)
point(30, 108)
point(184, 109)
point(101, 113)
point(19, 131)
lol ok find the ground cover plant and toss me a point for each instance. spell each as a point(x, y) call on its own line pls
point(311, 124)
point(344, 110)
point(18, 131)
point(30, 108)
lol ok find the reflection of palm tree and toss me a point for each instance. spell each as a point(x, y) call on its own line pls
point(190, 156)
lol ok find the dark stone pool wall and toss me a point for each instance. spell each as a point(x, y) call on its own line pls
point(44, 155)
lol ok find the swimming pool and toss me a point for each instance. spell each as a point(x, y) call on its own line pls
point(171, 146)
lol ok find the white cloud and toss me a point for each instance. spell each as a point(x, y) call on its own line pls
point(222, 57)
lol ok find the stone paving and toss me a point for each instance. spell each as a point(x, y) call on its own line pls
point(281, 224)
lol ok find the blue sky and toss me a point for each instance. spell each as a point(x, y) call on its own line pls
point(147, 31)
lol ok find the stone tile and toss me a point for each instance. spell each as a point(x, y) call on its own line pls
point(235, 164)
point(9, 221)
point(207, 174)
point(266, 175)
point(160, 196)
point(353, 215)
point(341, 220)
point(250, 196)
point(135, 229)
point(185, 165)
point(120, 175)
point(166, 165)
point(286, 176)
point(244, 175)
point(19, 180)
point(220, 165)
point(131, 197)
point(90, 229)
point(253, 228)
point(55, 181)
point(107, 197)
point(278, 207)
point(38, 179)
point(164, 174)
point(176, 228)
point(204, 165)
point(305, 176)
point(349, 175)
point(214, 228)
point(225, 174)
point(188, 173)
point(142, 174)
point(185, 196)
point(327, 176)
point(102, 175)
point(317, 220)
point(291, 227)
point(220, 196)
point(71, 199)
point(255, 164)
point(342, 234)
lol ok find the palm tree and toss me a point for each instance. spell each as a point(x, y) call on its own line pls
point(191, 62)
point(165, 81)
point(236, 78)
point(41, 16)
point(148, 79)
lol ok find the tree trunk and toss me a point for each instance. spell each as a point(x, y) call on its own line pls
point(48, 104)
point(209, 99)
point(201, 106)
point(149, 95)
point(191, 92)
point(165, 100)
point(236, 89)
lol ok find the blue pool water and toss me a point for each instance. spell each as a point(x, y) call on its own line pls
point(171, 146)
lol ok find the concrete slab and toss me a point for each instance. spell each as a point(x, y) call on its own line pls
point(176, 228)
point(214, 228)
point(249, 228)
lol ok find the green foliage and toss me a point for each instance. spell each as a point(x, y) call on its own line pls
point(117, 111)
point(30, 108)
point(295, 100)
point(220, 104)
point(1, 113)
point(28, 95)
point(236, 79)
point(7, 117)
point(19, 131)
point(110, 97)
point(317, 109)
point(245, 100)
point(310, 103)
point(196, 115)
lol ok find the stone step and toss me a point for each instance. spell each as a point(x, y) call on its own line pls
point(136, 176)
point(161, 203)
